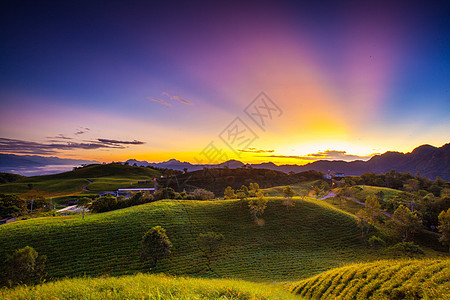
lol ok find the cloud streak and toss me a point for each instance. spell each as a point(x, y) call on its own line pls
point(167, 95)
point(325, 155)
point(160, 101)
point(254, 150)
point(30, 147)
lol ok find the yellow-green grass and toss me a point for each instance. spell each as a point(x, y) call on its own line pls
point(144, 286)
point(388, 192)
point(277, 191)
point(307, 239)
point(384, 279)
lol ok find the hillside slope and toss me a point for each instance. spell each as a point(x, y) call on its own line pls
point(307, 239)
point(103, 177)
point(389, 279)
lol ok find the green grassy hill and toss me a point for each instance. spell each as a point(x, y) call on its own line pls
point(103, 177)
point(143, 286)
point(389, 279)
point(307, 239)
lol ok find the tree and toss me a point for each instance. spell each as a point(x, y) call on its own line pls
point(253, 189)
point(155, 245)
point(104, 203)
point(405, 223)
point(229, 193)
point(83, 203)
point(303, 193)
point(257, 205)
point(243, 193)
point(209, 243)
point(202, 194)
point(372, 209)
point(11, 205)
point(363, 222)
point(25, 265)
point(444, 227)
point(288, 193)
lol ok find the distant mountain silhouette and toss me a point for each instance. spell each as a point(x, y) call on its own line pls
point(427, 160)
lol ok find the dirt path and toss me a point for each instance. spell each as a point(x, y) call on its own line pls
point(85, 187)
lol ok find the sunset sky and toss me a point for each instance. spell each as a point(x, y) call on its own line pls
point(155, 80)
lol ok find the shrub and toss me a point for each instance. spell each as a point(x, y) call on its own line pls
point(202, 194)
point(24, 266)
point(406, 247)
point(376, 242)
point(104, 203)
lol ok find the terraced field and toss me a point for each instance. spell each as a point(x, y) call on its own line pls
point(388, 279)
point(293, 244)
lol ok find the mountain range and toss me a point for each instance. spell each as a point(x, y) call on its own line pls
point(427, 160)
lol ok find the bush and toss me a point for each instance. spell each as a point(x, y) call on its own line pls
point(24, 266)
point(104, 203)
point(202, 194)
point(376, 242)
point(406, 247)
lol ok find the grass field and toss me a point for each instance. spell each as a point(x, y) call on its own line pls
point(293, 244)
point(103, 178)
point(143, 286)
point(388, 279)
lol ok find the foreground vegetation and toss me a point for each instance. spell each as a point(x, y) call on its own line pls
point(142, 286)
point(389, 279)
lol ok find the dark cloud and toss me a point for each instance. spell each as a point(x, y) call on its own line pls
point(254, 150)
point(325, 155)
point(82, 130)
point(29, 147)
point(107, 141)
point(60, 136)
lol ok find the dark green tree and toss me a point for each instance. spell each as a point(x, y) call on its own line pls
point(444, 227)
point(405, 223)
point(209, 243)
point(11, 205)
point(25, 265)
point(155, 245)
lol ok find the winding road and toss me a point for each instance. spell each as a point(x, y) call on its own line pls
point(85, 187)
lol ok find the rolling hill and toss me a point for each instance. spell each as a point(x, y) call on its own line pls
point(90, 179)
point(389, 279)
point(305, 240)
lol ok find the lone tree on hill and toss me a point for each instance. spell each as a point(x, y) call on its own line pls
point(229, 193)
point(83, 203)
point(368, 217)
point(25, 265)
point(288, 193)
point(155, 245)
point(257, 205)
point(405, 223)
point(209, 243)
point(444, 227)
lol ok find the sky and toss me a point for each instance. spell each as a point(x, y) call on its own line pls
point(207, 81)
